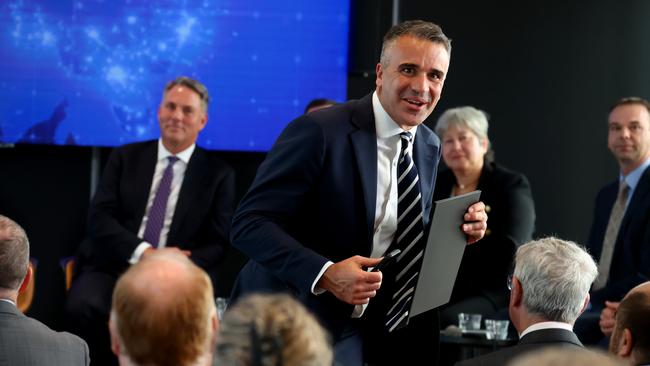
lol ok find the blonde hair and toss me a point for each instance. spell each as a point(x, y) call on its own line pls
point(271, 330)
point(162, 309)
point(553, 356)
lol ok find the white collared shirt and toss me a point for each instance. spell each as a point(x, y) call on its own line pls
point(385, 223)
point(546, 325)
point(179, 175)
point(632, 179)
point(9, 301)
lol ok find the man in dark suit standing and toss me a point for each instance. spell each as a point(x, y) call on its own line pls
point(155, 194)
point(25, 341)
point(549, 290)
point(324, 206)
point(620, 232)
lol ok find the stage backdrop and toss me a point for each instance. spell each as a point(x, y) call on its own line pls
point(91, 72)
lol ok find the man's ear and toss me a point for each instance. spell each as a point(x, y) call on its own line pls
point(517, 293)
point(115, 338)
point(28, 277)
point(627, 344)
point(585, 305)
point(214, 321)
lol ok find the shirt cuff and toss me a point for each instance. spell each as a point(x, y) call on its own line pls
point(317, 290)
point(137, 253)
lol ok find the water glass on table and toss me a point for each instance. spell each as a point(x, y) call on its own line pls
point(468, 321)
point(497, 329)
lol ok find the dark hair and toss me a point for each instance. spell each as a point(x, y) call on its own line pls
point(634, 314)
point(418, 29)
point(631, 100)
point(195, 85)
point(14, 254)
point(319, 102)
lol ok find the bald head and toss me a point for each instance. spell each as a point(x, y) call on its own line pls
point(631, 336)
point(163, 310)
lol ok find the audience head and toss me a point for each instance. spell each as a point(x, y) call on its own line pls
point(464, 135)
point(318, 104)
point(271, 330)
point(163, 312)
point(631, 337)
point(182, 113)
point(562, 356)
point(14, 258)
point(551, 282)
point(629, 132)
point(411, 71)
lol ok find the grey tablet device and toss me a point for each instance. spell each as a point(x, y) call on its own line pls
point(443, 253)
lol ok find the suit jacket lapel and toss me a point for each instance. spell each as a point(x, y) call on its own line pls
point(364, 145)
point(143, 177)
point(426, 153)
point(191, 184)
point(637, 202)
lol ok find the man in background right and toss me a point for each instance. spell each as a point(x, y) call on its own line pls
point(631, 337)
point(620, 232)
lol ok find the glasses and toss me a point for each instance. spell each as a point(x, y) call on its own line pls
point(509, 283)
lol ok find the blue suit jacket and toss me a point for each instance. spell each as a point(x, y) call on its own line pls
point(313, 200)
point(631, 260)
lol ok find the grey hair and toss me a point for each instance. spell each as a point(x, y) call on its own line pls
point(193, 84)
point(14, 254)
point(271, 329)
point(416, 28)
point(472, 118)
point(468, 117)
point(555, 275)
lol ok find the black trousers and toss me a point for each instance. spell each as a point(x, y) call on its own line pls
point(87, 311)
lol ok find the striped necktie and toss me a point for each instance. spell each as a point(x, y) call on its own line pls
point(156, 215)
point(409, 234)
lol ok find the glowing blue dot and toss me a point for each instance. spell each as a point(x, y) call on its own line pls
point(253, 57)
point(298, 16)
point(162, 46)
point(131, 19)
point(253, 100)
point(296, 102)
point(116, 74)
point(48, 38)
point(235, 34)
point(92, 33)
point(297, 59)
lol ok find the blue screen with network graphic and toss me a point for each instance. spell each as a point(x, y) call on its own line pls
point(91, 72)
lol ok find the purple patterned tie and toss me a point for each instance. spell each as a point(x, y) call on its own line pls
point(156, 216)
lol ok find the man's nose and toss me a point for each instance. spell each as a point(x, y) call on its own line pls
point(625, 133)
point(420, 83)
point(177, 114)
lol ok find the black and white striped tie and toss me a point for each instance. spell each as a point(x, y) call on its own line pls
point(409, 234)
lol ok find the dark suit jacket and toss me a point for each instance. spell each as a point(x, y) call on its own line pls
point(200, 223)
point(530, 342)
point(631, 261)
point(511, 211)
point(313, 200)
point(27, 342)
